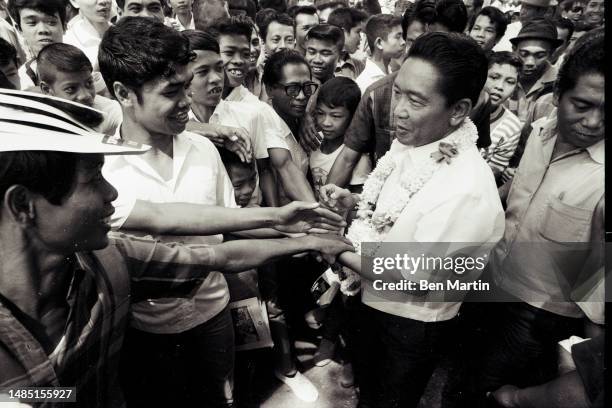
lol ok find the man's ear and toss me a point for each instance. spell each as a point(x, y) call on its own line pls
point(378, 43)
point(461, 110)
point(19, 203)
point(45, 88)
point(123, 94)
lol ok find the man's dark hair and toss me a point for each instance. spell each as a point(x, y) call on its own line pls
point(242, 8)
point(310, 10)
point(278, 5)
point(328, 33)
point(379, 26)
point(137, 50)
point(498, 19)
point(567, 5)
point(587, 56)
point(8, 53)
point(267, 18)
point(565, 24)
point(201, 41)
point(505, 57)
point(232, 26)
point(330, 4)
point(340, 92)
point(460, 62)
point(372, 7)
point(346, 18)
point(50, 174)
point(49, 7)
point(452, 14)
point(420, 11)
point(61, 57)
point(273, 70)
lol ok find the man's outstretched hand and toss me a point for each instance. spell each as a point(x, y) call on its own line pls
point(329, 246)
point(231, 138)
point(303, 217)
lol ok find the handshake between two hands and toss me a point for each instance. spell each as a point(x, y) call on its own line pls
point(323, 222)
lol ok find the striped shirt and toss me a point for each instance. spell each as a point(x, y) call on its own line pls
point(505, 135)
point(104, 284)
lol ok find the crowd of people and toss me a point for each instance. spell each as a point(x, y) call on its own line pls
point(158, 158)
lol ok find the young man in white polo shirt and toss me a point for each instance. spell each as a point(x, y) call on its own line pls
point(145, 65)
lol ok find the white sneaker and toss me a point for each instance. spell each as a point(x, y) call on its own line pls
point(300, 385)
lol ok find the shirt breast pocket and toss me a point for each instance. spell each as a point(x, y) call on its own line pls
point(563, 223)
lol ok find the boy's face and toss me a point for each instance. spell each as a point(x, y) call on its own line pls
point(244, 179)
point(236, 55)
point(292, 106)
point(322, 56)
point(143, 8)
point(303, 23)
point(40, 29)
point(11, 73)
point(594, 12)
point(501, 83)
point(413, 31)
point(332, 121)
point(74, 86)
point(255, 49)
point(394, 45)
point(96, 11)
point(279, 37)
point(207, 84)
point(165, 103)
point(484, 32)
point(353, 38)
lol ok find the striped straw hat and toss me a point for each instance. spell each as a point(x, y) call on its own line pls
point(33, 121)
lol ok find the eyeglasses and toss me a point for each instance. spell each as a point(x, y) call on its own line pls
point(293, 90)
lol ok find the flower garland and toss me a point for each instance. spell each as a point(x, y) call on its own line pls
point(372, 224)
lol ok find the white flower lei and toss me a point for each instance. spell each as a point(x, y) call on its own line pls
point(372, 224)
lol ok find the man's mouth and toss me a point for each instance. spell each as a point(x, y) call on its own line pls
point(45, 41)
point(495, 96)
point(182, 117)
point(215, 91)
point(237, 73)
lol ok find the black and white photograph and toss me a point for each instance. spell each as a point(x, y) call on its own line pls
point(303, 203)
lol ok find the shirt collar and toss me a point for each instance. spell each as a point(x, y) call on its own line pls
point(372, 68)
point(548, 132)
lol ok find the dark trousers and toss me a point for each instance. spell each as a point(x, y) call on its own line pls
point(190, 369)
point(393, 357)
point(522, 348)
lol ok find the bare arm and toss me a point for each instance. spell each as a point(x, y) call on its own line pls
point(341, 171)
point(267, 182)
point(197, 219)
point(236, 256)
point(293, 180)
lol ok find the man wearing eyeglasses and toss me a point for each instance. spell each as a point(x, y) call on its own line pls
point(289, 84)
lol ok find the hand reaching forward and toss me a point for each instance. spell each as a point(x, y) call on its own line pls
point(299, 216)
point(232, 138)
point(330, 246)
point(336, 198)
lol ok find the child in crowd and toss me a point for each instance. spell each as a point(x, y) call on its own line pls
point(65, 71)
point(502, 80)
point(243, 176)
point(384, 34)
point(336, 103)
